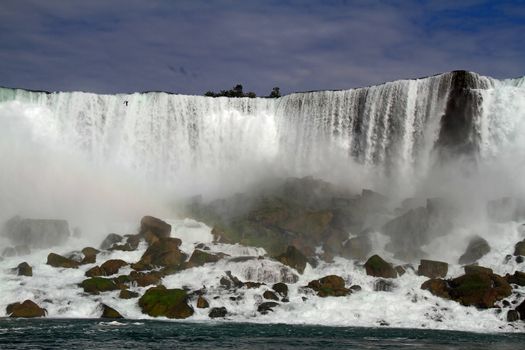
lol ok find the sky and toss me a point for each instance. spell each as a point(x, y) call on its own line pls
point(190, 47)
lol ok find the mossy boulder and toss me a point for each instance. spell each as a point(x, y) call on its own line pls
point(128, 294)
point(109, 312)
point(294, 258)
point(56, 260)
point(96, 285)
point(171, 303)
point(477, 248)
point(28, 309)
point(432, 269)
point(330, 286)
point(112, 266)
point(24, 269)
point(377, 267)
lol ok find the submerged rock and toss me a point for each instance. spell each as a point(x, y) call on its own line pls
point(109, 312)
point(330, 286)
point(24, 269)
point(171, 303)
point(477, 248)
point(377, 267)
point(513, 316)
point(432, 269)
point(218, 312)
point(293, 258)
point(26, 309)
point(37, 233)
point(383, 285)
point(56, 260)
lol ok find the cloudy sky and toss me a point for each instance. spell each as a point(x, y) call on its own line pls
point(192, 46)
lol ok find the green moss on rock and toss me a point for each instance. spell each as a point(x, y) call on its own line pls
point(171, 303)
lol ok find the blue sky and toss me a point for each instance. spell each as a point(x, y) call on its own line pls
point(192, 46)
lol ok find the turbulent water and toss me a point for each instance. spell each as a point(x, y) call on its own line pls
point(87, 157)
point(60, 334)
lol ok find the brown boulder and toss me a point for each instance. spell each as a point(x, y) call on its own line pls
point(519, 248)
point(95, 271)
point(143, 279)
point(437, 287)
point(377, 267)
point(432, 269)
point(127, 294)
point(270, 295)
point(112, 266)
point(56, 260)
point(110, 240)
point(477, 248)
point(164, 252)
point(200, 257)
point(329, 286)
point(156, 226)
point(281, 288)
point(518, 278)
point(202, 303)
point(90, 255)
point(475, 269)
point(26, 309)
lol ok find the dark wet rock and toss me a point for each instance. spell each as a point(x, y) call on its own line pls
point(9, 252)
point(128, 294)
point(475, 269)
point(96, 285)
point(270, 295)
point(382, 285)
point(329, 286)
point(253, 285)
point(164, 252)
point(521, 310)
point(37, 233)
point(355, 288)
point(377, 267)
point(202, 303)
point(293, 258)
point(157, 227)
point(281, 289)
point(56, 260)
point(519, 259)
point(22, 250)
point(171, 303)
point(266, 307)
point(230, 282)
point(24, 269)
point(519, 248)
point(432, 269)
point(26, 309)
point(110, 240)
point(200, 257)
point(506, 209)
point(112, 266)
point(218, 312)
point(109, 312)
point(517, 278)
point(90, 255)
point(512, 316)
point(477, 248)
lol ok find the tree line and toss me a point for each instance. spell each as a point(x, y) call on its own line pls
point(237, 91)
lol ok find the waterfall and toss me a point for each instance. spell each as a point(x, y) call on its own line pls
point(198, 142)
